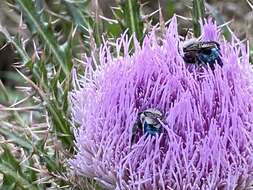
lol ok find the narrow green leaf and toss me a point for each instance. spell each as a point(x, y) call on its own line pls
point(20, 180)
point(4, 92)
point(198, 13)
point(16, 138)
point(13, 174)
point(86, 25)
point(132, 17)
point(16, 44)
point(170, 8)
point(8, 183)
point(8, 157)
point(49, 159)
point(114, 30)
point(78, 15)
point(61, 124)
point(32, 16)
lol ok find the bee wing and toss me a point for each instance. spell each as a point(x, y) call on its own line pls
point(193, 47)
point(209, 45)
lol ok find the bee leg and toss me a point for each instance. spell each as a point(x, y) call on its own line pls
point(219, 61)
point(199, 60)
point(211, 65)
point(203, 60)
point(135, 130)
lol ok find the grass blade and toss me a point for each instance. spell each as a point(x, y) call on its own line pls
point(132, 17)
point(198, 13)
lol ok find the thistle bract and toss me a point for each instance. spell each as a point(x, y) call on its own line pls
point(207, 122)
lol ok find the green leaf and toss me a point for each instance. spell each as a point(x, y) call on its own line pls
point(56, 112)
point(8, 157)
point(16, 138)
point(114, 30)
point(43, 30)
point(8, 183)
point(20, 180)
point(17, 44)
point(170, 8)
point(132, 17)
point(77, 13)
point(198, 13)
point(13, 175)
point(61, 124)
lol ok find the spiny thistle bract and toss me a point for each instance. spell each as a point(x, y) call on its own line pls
point(208, 117)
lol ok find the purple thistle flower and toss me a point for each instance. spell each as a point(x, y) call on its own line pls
point(208, 117)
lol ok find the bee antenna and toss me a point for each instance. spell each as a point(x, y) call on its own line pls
point(199, 38)
point(188, 29)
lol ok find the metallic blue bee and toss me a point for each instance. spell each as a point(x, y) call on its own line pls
point(202, 53)
point(148, 122)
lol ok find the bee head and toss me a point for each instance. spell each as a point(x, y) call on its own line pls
point(151, 117)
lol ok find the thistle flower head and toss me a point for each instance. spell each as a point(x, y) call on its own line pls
point(207, 121)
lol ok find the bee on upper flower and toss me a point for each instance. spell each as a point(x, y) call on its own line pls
point(202, 53)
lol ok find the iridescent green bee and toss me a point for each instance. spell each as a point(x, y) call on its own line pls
point(148, 122)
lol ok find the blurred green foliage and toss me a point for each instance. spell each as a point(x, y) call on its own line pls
point(198, 14)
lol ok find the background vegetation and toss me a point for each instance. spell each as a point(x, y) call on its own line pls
point(42, 41)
